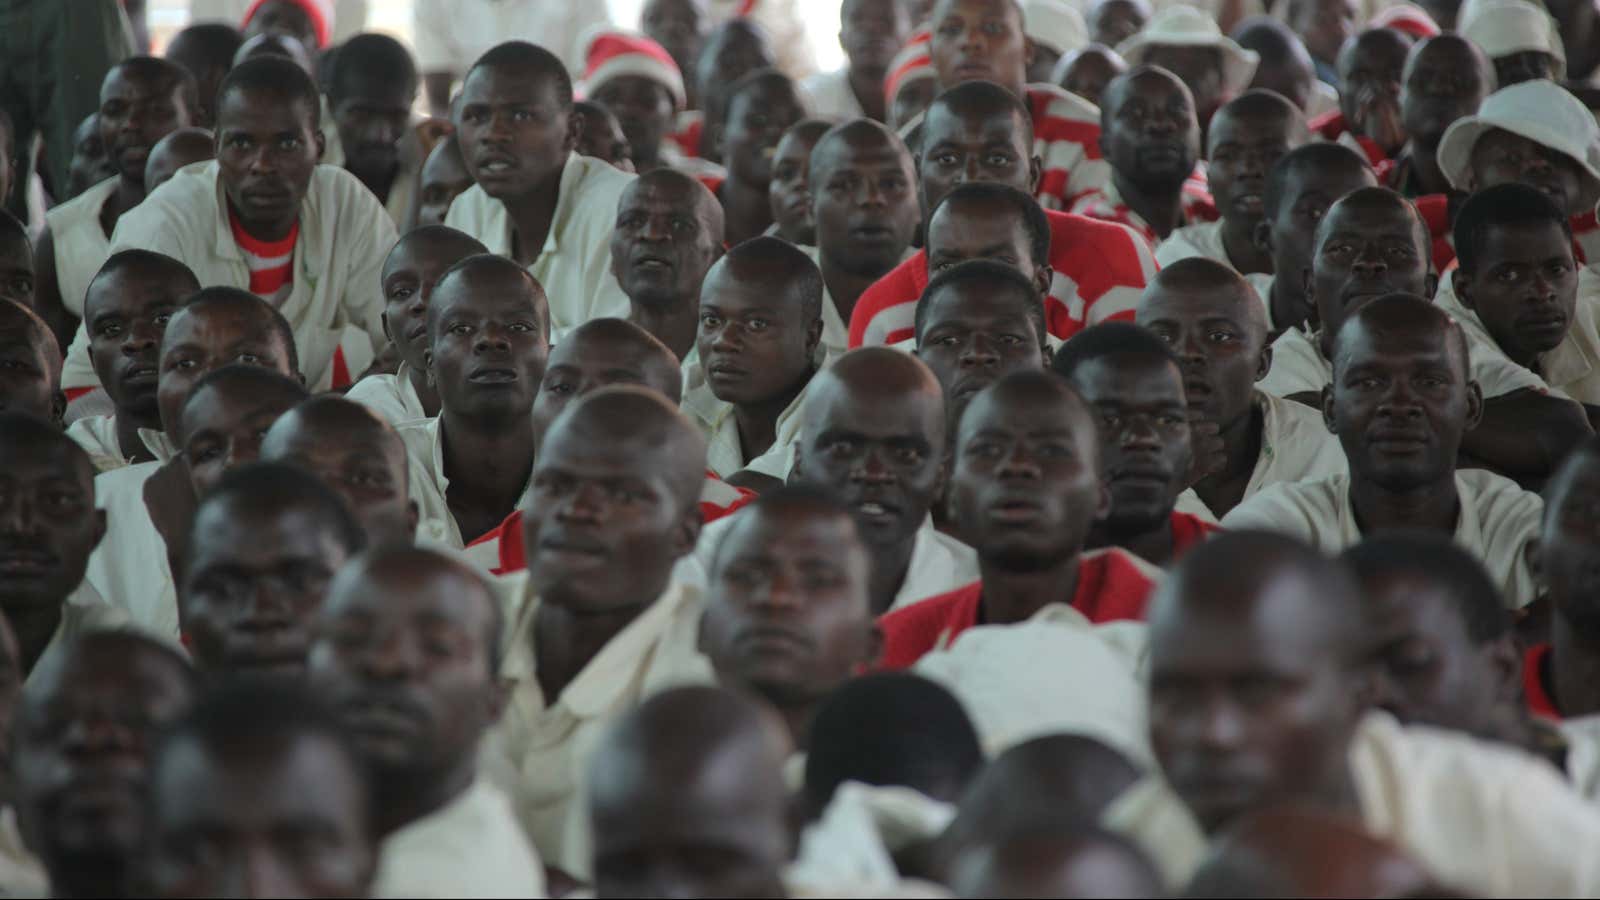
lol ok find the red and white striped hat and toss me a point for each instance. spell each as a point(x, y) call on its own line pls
point(1407, 18)
point(612, 54)
point(913, 63)
point(320, 12)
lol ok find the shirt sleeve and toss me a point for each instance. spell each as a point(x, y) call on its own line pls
point(1281, 509)
point(374, 237)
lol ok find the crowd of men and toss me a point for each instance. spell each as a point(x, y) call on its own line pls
point(1076, 449)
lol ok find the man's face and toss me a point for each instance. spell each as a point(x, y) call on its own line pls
point(753, 342)
point(48, 525)
point(1400, 404)
point(788, 613)
point(972, 336)
point(1500, 157)
point(1247, 711)
point(601, 137)
point(487, 345)
point(371, 118)
point(677, 25)
point(864, 201)
point(198, 342)
point(1324, 25)
point(1525, 289)
point(16, 272)
point(911, 100)
point(255, 582)
point(286, 18)
point(977, 40)
point(405, 662)
point(1443, 83)
point(168, 156)
point(1200, 68)
point(1365, 251)
point(1218, 345)
point(1151, 134)
point(1114, 21)
point(1291, 77)
point(222, 429)
point(1307, 194)
point(514, 132)
point(788, 191)
point(872, 32)
point(757, 118)
point(90, 163)
point(958, 149)
point(82, 752)
point(267, 150)
point(643, 107)
point(663, 244)
point(27, 382)
point(444, 178)
point(1144, 436)
point(588, 362)
point(1569, 547)
point(409, 276)
point(1243, 149)
point(1026, 486)
point(1370, 99)
point(1524, 65)
point(127, 314)
point(1089, 73)
point(289, 820)
point(734, 50)
point(135, 113)
point(964, 231)
point(363, 463)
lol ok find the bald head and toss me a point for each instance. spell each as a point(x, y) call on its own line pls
point(1288, 852)
point(1138, 81)
point(598, 353)
point(1204, 282)
point(435, 240)
point(870, 375)
point(1040, 389)
point(682, 192)
point(356, 454)
point(477, 276)
point(176, 150)
point(1400, 317)
point(643, 418)
point(669, 230)
point(860, 137)
point(1270, 109)
point(1085, 862)
point(774, 266)
point(29, 349)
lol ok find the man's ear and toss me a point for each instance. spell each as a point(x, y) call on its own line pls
point(873, 651)
point(1474, 404)
point(1264, 363)
point(1029, 52)
point(1463, 286)
point(687, 534)
point(384, 318)
point(413, 516)
point(1261, 236)
point(814, 335)
point(321, 140)
point(1505, 664)
point(1042, 276)
point(427, 363)
point(1328, 417)
point(58, 407)
point(574, 131)
point(1430, 285)
point(1035, 172)
point(1102, 506)
point(99, 527)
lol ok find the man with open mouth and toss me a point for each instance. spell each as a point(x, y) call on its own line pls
point(669, 232)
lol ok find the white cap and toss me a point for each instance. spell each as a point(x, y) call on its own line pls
point(1541, 111)
point(1055, 24)
point(1503, 27)
point(1185, 26)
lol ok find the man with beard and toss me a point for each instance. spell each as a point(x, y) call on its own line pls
point(1444, 80)
point(1151, 138)
point(371, 85)
point(761, 106)
point(407, 653)
point(871, 33)
point(668, 234)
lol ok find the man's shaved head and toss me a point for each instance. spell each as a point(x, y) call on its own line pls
point(658, 367)
point(876, 372)
point(1287, 852)
point(176, 150)
point(775, 263)
point(1200, 274)
point(326, 415)
point(677, 184)
point(1086, 861)
point(439, 238)
point(26, 339)
point(1399, 314)
point(857, 134)
point(354, 452)
point(475, 273)
point(630, 413)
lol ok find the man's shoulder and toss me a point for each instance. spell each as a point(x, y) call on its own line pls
point(1305, 508)
point(933, 611)
point(86, 204)
point(1497, 496)
point(334, 191)
point(600, 186)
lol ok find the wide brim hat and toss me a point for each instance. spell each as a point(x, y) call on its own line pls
point(1055, 24)
point(1541, 111)
point(1503, 27)
point(1185, 26)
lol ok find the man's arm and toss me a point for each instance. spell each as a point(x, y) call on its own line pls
point(1525, 433)
point(47, 291)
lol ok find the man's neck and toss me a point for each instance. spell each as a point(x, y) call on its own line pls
point(487, 463)
point(129, 193)
point(1431, 507)
point(1238, 241)
point(35, 625)
point(379, 179)
point(758, 422)
point(128, 440)
point(1010, 597)
point(1241, 444)
point(407, 796)
point(564, 642)
point(1160, 208)
point(1574, 669)
point(867, 85)
point(427, 394)
point(844, 287)
point(675, 323)
point(533, 216)
point(798, 717)
point(1154, 545)
point(1425, 172)
point(1286, 302)
point(746, 208)
point(265, 231)
point(890, 566)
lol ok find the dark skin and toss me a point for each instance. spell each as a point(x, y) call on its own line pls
point(10, 696)
point(735, 49)
point(173, 152)
point(1525, 65)
point(973, 336)
point(286, 18)
point(1370, 66)
point(403, 653)
point(515, 135)
point(1565, 565)
point(963, 230)
point(223, 424)
point(1445, 79)
point(1025, 491)
point(444, 177)
point(1113, 21)
point(1500, 157)
point(980, 40)
point(1151, 137)
point(645, 109)
point(90, 164)
point(1324, 25)
point(372, 117)
point(356, 454)
point(1286, 233)
point(680, 27)
point(29, 366)
point(1524, 288)
point(864, 202)
point(1578, 21)
point(409, 275)
point(126, 313)
point(1087, 72)
point(17, 272)
point(1054, 865)
point(488, 341)
point(1293, 852)
point(594, 355)
point(789, 193)
point(758, 116)
point(961, 145)
point(788, 614)
point(871, 33)
point(667, 237)
point(601, 137)
point(874, 438)
point(267, 148)
point(1200, 70)
point(1244, 143)
point(613, 508)
point(1368, 245)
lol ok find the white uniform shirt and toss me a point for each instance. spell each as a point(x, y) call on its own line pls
point(1570, 370)
point(450, 35)
point(429, 486)
point(1498, 520)
point(1583, 754)
point(81, 245)
point(1202, 239)
point(1298, 366)
point(392, 397)
point(1296, 445)
point(97, 435)
point(129, 568)
point(724, 453)
point(828, 96)
point(470, 847)
point(575, 264)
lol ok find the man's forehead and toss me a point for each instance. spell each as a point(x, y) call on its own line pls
point(870, 150)
point(483, 293)
point(1371, 215)
point(1235, 124)
point(589, 450)
point(508, 83)
point(1113, 376)
point(244, 108)
point(218, 324)
point(657, 193)
point(973, 302)
point(42, 460)
point(960, 218)
point(1421, 343)
point(991, 122)
point(234, 530)
point(1193, 303)
point(984, 7)
point(125, 81)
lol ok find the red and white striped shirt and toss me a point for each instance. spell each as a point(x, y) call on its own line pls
point(1330, 126)
point(1098, 271)
point(271, 263)
point(1106, 204)
point(1066, 138)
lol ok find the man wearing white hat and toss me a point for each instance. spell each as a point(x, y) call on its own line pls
point(1054, 28)
point(1188, 43)
point(871, 33)
point(1518, 37)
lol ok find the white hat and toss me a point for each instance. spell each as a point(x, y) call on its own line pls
point(1055, 24)
point(1185, 26)
point(1503, 27)
point(1541, 111)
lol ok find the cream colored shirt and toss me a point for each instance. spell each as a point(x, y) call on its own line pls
point(1298, 366)
point(392, 397)
point(1497, 522)
point(81, 245)
point(21, 873)
point(849, 850)
point(429, 486)
point(574, 266)
point(1583, 754)
point(97, 435)
point(1262, 283)
point(1482, 817)
point(344, 236)
point(1203, 239)
point(129, 569)
point(80, 614)
point(471, 847)
point(724, 453)
point(539, 753)
point(828, 95)
point(1296, 445)
point(1571, 370)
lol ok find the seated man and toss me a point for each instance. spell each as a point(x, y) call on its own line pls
point(1113, 21)
point(1285, 67)
point(1151, 140)
point(788, 614)
point(266, 542)
point(1299, 189)
point(17, 271)
point(1324, 25)
point(1557, 674)
point(89, 165)
point(1247, 135)
point(1445, 79)
point(1368, 121)
point(597, 620)
point(979, 133)
point(255, 768)
point(1088, 70)
point(80, 799)
point(1522, 41)
point(488, 338)
point(871, 33)
point(864, 205)
point(126, 312)
point(983, 40)
point(309, 238)
point(178, 149)
point(443, 178)
point(1132, 384)
point(668, 233)
point(407, 654)
point(1401, 399)
point(1251, 626)
point(636, 80)
point(761, 107)
point(601, 136)
point(911, 84)
point(788, 193)
point(142, 100)
point(356, 454)
point(31, 380)
point(206, 49)
point(410, 274)
point(733, 50)
point(1217, 328)
point(1536, 133)
point(535, 200)
point(1025, 489)
point(1373, 242)
point(760, 327)
point(225, 418)
point(1052, 29)
point(689, 799)
point(1186, 41)
point(371, 84)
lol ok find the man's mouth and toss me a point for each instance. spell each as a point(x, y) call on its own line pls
point(493, 376)
point(652, 263)
point(571, 550)
point(493, 166)
point(1398, 440)
point(26, 562)
point(872, 233)
point(970, 71)
point(1015, 511)
point(140, 376)
point(416, 332)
